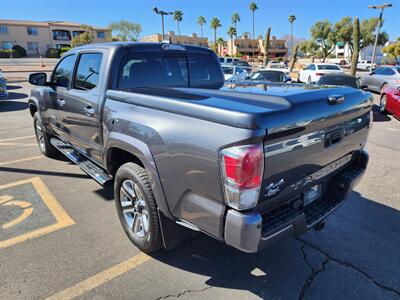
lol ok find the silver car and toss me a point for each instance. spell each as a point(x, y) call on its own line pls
point(384, 75)
point(3, 86)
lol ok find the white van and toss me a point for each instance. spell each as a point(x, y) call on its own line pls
point(228, 60)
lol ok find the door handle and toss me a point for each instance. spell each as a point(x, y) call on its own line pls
point(89, 111)
point(61, 102)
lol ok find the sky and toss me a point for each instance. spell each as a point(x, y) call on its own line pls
point(272, 13)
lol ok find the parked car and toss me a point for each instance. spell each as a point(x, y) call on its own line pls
point(234, 73)
point(378, 79)
point(244, 65)
point(341, 79)
point(271, 75)
point(390, 101)
point(365, 65)
point(228, 60)
point(243, 164)
point(313, 72)
point(3, 86)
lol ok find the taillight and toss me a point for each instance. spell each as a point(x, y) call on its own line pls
point(242, 173)
point(319, 74)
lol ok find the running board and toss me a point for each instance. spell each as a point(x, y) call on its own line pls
point(89, 167)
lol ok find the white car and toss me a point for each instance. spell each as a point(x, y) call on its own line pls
point(364, 65)
point(313, 72)
point(3, 86)
point(234, 73)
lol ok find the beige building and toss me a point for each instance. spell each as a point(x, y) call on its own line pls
point(183, 39)
point(247, 46)
point(37, 37)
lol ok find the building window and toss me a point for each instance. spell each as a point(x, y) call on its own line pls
point(3, 29)
point(101, 34)
point(7, 45)
point(33, 48)
point(76, 33)
point(32, 30)
point(61, 35)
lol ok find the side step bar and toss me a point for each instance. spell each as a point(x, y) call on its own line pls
point(89, 167)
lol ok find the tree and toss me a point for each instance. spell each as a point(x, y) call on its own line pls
point(235, 19)
point(294, 58)
point(232, 32)
point(393, 50)
point(324, 36)
point(201, 21)
point(344, 32)
point(292, 18)
point(125, 31)
point(368, 30)
point(356, 43)
point(307, 47)
point(220, 42)
point(253, 7)
point(215, 23)
point(178, 17)
point(266, 46)
point(84, 38)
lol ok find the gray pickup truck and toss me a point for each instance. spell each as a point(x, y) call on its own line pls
point(246, 164)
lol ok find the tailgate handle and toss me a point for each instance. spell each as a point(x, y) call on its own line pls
point(334, 137)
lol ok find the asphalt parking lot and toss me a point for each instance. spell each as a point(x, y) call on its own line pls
point(60, 236)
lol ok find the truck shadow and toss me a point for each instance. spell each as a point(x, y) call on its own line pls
point(359, 248)
point(378, 116)
point(7, 106)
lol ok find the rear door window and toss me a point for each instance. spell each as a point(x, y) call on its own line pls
point(328, 67)
point(87, 73)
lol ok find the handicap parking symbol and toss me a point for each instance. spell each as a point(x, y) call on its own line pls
point(29, 210)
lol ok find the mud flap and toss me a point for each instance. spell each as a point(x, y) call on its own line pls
point(172, 233)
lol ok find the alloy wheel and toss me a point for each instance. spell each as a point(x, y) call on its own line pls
point(40, 136)
point(134, 208)
point(382, 106)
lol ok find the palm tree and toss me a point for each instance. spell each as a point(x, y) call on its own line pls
point(253, 7)
point(220, 42)
point(232, 32)
point(292, 18)
point(235, 19)
point(215, 23)
point(178, 17)
point(201, 21)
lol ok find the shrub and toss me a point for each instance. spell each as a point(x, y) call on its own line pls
point(64, 49)
point(20, 50)
point(53, 53)
point(7, 53)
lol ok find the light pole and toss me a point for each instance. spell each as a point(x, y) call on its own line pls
point(162, 13)
point(381, 7)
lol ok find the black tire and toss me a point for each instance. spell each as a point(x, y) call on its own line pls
point(43, 138)
point(309, 80)
point(298, 78)
point(382, 104)
point(130, 174)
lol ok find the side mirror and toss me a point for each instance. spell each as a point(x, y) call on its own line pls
point(38, 78)
point(364, 87)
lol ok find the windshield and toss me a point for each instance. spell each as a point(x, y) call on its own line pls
point(277, 66)
point(241, 63)
point(227, 70)
point(160, 69)
point(340, 80)
point(328, 67)
point(272, 76)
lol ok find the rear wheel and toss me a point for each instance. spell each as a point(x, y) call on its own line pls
point(43, 138)
point(382, 104)
point(309, 80)
point(136, 207)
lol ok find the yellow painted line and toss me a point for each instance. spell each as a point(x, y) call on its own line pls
point(62, 218)
point(100, 278)
point(5, 163)
point(17, 138)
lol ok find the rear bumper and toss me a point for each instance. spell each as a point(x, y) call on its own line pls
point(252, 232)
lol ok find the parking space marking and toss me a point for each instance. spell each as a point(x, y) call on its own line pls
point(17, 144)
point(100, 278)
point(5, 163)
point(17, 138)
point(62, 218)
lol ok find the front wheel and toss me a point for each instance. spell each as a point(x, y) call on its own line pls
point(136, 207)
point(382, 104)
point(309, 80)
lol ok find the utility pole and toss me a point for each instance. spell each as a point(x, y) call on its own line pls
point(381, 7)
point(162, 13)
